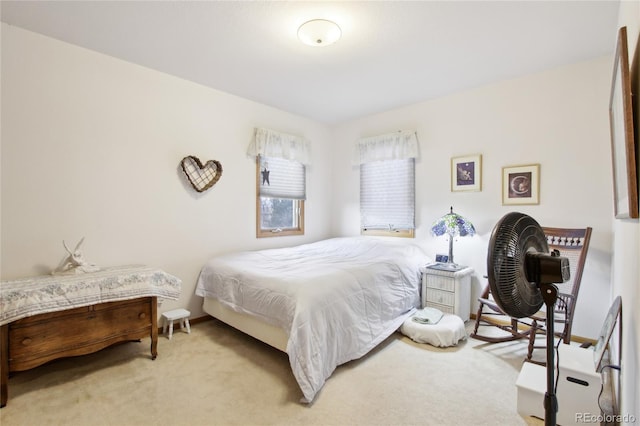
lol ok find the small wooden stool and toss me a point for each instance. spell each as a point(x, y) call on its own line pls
point(177, 314)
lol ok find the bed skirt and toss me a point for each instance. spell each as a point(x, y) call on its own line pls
point(267, 333)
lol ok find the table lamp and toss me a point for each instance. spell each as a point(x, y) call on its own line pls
point(453, 225)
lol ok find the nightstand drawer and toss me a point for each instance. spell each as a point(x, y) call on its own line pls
point(441, 283)
point(443, 308)
point(441, 297)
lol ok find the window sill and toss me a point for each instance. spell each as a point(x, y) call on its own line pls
point(401, 233)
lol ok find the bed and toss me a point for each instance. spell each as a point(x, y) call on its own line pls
point(323, 303)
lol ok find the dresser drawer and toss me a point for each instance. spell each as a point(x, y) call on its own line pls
point(441, 283)
point(441, 297)
point(41, 338)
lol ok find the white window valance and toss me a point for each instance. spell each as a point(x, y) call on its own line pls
point(269, 143)
point(391, 146)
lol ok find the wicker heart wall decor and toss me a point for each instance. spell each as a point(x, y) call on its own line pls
point(199, 176)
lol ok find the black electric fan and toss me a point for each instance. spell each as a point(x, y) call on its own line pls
point(522, 274)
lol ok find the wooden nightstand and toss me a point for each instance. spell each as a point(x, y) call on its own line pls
point(449, 291)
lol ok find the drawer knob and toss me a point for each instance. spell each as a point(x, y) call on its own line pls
point(27, 341)
point(142, 315)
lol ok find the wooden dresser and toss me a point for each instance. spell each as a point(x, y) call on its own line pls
point(33, 340)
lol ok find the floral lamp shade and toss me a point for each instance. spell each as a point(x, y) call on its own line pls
point(453, 225)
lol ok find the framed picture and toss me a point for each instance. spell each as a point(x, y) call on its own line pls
point(521, 184)
point(623, 151)
point(466, 173)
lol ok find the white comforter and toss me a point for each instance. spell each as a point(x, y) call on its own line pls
point(336, 299)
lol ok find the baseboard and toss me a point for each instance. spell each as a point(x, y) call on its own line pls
point(498, 321)
point(574, 338)
point(192, 321)
point(203, 318)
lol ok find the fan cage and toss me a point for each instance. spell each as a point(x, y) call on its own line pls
point(512, 238)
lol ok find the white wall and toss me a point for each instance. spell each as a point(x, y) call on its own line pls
point(558, 119)
point(626, 247)
point(91, 147)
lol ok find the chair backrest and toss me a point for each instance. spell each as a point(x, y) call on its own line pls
point(572, 244)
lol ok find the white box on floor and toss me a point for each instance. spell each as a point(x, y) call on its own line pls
point(531, 385)
point(578, 387)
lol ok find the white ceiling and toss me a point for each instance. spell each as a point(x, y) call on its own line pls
point(392, 53)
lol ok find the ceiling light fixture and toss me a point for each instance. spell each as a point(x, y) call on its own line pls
point(319, 32)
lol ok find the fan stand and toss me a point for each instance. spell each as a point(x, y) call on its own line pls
point(550, 295)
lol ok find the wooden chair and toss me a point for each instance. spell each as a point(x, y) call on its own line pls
point(490, 314)
point(572, 244)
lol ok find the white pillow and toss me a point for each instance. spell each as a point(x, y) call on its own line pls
point(447, 332)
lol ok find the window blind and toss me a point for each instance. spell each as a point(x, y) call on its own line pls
point(280, 178)
point(387, 194)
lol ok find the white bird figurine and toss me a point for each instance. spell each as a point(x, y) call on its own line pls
point(74, 262)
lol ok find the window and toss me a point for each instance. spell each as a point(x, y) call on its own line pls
point(387, 183)
point(387, 197)
point(281, 192)
point(281, 161)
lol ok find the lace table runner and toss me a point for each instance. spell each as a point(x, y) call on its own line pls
point(51, 293)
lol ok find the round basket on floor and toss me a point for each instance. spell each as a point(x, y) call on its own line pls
point(447, 332)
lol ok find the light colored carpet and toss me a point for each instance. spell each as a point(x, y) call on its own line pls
point(219, 376)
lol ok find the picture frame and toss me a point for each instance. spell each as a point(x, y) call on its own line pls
point(606, 331)
point(623, 150)
point(466, 173)
point(521, 185)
